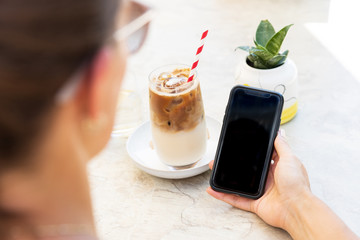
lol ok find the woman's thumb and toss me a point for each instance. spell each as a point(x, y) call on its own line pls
point(281, 146)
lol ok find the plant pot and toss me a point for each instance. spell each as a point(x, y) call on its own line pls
point(282, 79)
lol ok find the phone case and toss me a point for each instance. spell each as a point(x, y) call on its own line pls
point(269, 154)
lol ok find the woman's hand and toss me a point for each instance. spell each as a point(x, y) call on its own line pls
point(287, 182)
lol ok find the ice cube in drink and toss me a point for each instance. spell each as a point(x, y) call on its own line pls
point(177, 116)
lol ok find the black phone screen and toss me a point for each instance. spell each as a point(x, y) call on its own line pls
point(249, 124)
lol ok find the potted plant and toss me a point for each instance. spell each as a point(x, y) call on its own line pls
point(265, 67)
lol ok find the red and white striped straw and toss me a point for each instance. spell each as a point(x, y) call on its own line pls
point(199, 50)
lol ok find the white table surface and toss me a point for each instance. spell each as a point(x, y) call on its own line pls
point(325, 135)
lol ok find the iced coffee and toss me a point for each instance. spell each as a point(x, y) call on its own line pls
point(177, 116)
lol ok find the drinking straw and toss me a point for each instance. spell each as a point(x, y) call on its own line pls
point(199, 50)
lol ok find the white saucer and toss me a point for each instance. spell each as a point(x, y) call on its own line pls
point(138, 147)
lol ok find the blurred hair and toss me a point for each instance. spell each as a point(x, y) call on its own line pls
point(42, 43)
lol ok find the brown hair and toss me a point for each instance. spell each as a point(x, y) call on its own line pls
point(42, 43)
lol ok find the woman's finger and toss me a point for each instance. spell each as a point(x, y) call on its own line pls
point(275, 156)
point(234, 200)
point(282, 147)
point(211, 164)
point(270, 178)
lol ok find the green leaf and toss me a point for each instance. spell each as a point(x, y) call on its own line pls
point(264, 32)
point(276, 61)
point(263, 54)
point(245, 48)
point(274, 44)
point(256, 62)
point(285, 53)
point(259, 65)
point(258, 46)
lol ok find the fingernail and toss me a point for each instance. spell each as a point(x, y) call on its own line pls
point(282, 133)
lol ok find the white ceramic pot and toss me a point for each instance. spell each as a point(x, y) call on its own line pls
point(282, 79)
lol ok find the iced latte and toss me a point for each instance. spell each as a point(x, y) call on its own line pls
point(177, 116)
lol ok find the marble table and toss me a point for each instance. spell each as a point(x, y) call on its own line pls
point(325, 134)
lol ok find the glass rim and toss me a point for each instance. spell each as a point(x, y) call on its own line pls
point(173, 65)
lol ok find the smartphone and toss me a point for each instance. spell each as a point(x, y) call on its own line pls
point(243, 156)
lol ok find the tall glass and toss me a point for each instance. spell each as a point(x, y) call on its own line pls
point(177, 116)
